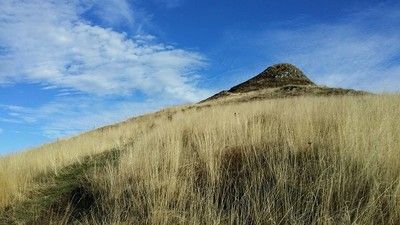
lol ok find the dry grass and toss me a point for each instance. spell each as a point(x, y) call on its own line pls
point(285, 91)
point(309, 160)
point(17, 171)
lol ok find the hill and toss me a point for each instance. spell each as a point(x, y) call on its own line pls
point(238, 159)
point(279, 81)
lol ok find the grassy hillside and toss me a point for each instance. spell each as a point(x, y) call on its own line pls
point(305, 160)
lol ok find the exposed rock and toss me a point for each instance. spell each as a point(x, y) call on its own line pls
point(277, 75)
point(279, 81)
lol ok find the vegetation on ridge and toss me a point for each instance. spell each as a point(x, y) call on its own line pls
point(279, 81)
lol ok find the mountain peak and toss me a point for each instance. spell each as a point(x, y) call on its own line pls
point(277, 75)
point(279, 81)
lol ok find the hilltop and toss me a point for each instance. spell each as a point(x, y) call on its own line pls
point(279, 81)
point(277, 75)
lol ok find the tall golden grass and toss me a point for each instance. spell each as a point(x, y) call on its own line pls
point(18, 170)
point(307, 160)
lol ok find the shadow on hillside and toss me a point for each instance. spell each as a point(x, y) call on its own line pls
point(269, 184)
point(63, 197)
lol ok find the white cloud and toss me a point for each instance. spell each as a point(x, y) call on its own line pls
point(96, 72)
point(112, 12)
point(62, 119)
point(17, 114)
point(360, 51)
point(49, 42)
point(70, 115)
point(169, 3)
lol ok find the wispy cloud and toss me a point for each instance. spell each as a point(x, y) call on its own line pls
point(62, 119)
point(360, 50)
point(50, 42)
point(70, 115)
point(17, 114)
point(112, 12)
point(169, 3)
point(99, 75)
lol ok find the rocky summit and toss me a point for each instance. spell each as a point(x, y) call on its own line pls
point(278, 75)
point(278, 81)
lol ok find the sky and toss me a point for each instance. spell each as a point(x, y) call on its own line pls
point(68, 66)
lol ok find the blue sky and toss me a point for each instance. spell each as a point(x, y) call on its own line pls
point(70, 66)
